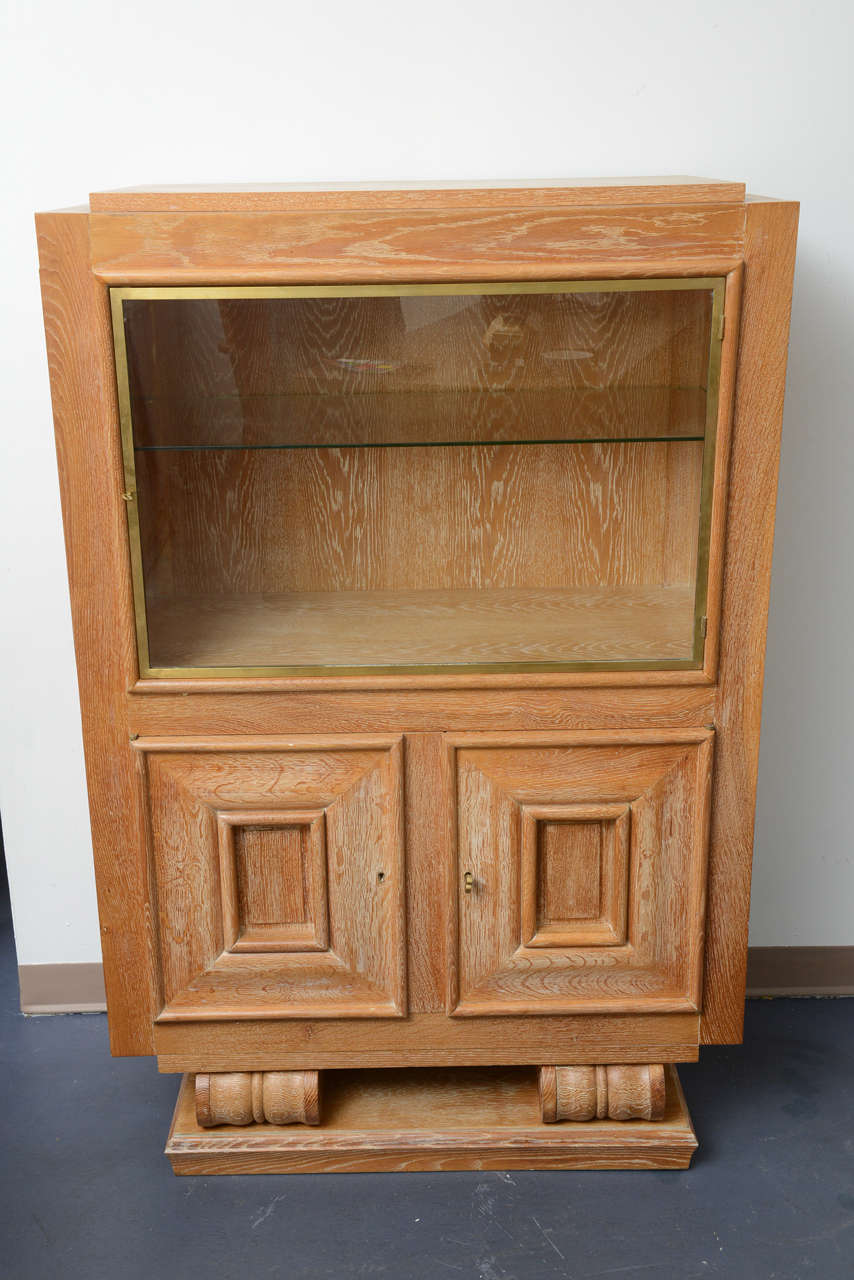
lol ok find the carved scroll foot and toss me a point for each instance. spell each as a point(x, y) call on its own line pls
point(247, 1097)
point(618, 1092)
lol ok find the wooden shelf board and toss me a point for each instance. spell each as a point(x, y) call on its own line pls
point(396, 628)
point(431, 1119)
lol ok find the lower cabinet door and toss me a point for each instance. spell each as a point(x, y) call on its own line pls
point(279, 877)
point(579, 872)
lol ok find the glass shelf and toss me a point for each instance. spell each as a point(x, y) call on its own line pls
point(416, 418)
point(404, 478)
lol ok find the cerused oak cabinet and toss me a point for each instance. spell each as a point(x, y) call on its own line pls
point(419, 541)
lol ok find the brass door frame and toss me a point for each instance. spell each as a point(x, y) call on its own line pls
point(714, 284)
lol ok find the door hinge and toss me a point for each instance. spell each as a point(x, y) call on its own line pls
point(704, 626)
point(721, 328)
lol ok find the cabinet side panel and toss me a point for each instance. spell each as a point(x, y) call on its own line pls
point(79, 347)
point(769, 256)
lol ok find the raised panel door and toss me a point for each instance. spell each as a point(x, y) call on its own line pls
point(279, 876)
point(577, 881)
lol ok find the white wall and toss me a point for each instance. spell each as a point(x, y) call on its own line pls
point(99, 94)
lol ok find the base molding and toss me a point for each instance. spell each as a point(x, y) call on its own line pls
point(423, 1119)
point(62, 988)
point(800, 971)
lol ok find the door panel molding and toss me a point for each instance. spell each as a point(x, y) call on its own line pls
point(634, 814)
point(279, 876)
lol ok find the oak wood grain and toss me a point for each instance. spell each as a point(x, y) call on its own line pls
point(414, 244)
point(618, 1092)
point(273, 880)
point(158, 874)
point(430, 519)
point(574, 872)
point(766, 306)
point(342, 347)
point(425, 1039)
point(568, 886)
point(192, 533)
point(257, 1097)
point(192, 789)
point(658, 967)
point(401, 1120)
point(428, 839)
point(82, 379)
point(393, 628)
point(270, 876)
point(338, 420)
point(190, 708)
point(481, 194)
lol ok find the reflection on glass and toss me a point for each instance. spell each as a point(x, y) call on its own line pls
point(439, 478)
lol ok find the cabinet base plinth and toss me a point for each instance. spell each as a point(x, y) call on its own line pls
point(424, 1119)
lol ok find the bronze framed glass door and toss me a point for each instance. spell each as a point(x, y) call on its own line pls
point(472, 477)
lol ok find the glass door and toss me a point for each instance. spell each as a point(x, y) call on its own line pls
point(472, 477)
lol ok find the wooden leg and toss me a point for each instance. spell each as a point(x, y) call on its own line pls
point(602, 1093)
point(247, 1097)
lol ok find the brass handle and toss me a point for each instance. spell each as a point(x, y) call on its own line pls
point(468, 882)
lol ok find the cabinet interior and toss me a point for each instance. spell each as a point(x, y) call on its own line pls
point(417, 477)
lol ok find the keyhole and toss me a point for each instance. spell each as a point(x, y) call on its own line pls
point(380, 877)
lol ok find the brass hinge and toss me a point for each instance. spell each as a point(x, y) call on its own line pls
point(704, 626)
point(721, 327)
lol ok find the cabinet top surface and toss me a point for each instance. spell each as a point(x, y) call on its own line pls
point(498, 193)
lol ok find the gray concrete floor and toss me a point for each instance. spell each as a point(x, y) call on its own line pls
point(85, 1190)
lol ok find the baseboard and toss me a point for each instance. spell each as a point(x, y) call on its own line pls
point(62, 988)
point(800, 971)
point(771, 971)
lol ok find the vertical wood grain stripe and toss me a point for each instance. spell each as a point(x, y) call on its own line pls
point(769, 255)
point(83, 391)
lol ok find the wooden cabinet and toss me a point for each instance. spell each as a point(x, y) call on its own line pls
point(419, 542)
